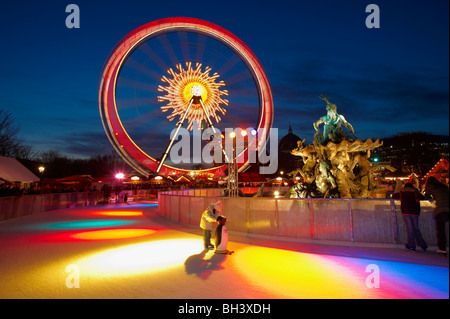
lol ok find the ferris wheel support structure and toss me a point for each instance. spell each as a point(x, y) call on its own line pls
point(180, 124)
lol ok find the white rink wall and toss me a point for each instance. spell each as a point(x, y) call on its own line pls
point(374, 221)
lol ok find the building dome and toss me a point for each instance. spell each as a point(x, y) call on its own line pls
point(288, 142)
point(286, 161)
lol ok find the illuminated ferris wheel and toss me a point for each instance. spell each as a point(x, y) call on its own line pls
point(181, 71)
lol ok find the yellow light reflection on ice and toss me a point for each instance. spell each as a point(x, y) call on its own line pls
point(299, 275)
point(120, 213)
point(107, 234)
point(141, 258)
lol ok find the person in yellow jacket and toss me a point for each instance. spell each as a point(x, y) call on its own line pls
point(208, 221)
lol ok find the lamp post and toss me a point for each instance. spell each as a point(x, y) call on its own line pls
point(118, 188)
point(41, 171)
point(232, 185)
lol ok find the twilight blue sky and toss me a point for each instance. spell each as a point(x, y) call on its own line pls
point(384, 81)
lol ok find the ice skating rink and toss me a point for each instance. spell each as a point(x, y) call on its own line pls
point(128, 251)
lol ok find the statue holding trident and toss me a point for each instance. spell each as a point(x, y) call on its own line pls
point(332, 130)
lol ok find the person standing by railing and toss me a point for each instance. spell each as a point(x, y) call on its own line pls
point(439, 193)
point(410, 207)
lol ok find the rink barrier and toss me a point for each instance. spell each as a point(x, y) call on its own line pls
point(375, 221)
point(17, 206)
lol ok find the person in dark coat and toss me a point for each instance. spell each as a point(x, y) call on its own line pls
point(439, 192)
point(410, 207)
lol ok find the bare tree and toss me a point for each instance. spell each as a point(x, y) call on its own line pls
point(11, 144)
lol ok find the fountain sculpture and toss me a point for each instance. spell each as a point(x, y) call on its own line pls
point(335, 165)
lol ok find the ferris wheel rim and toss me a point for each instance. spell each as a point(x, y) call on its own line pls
point(114, 129)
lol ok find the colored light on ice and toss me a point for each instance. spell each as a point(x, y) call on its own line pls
point(113, 234)
point(120, 213)
point(88, 224)
point(141, 258)
point(292, 274)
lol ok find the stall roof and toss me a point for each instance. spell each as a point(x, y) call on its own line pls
point(440, 169)
point(76, 179)
point(13, 171)
point(184, 179)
